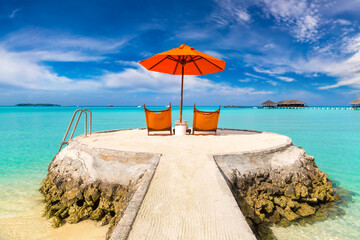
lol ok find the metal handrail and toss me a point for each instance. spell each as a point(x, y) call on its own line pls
point(80, 111)
point(90, 120)
point(77, 121)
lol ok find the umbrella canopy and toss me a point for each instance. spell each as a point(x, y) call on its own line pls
point(183, 60)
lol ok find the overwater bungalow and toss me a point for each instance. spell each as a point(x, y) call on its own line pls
point(356, 103)
point(291, 103)
point(269, 104)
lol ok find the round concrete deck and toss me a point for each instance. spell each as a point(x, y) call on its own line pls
point(188, 197)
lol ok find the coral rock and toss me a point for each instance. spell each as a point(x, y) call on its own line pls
point(290, 191)
point(281, 201)
point(56, 222)
point(287, 213)
point(305, 210)
point(275, 218)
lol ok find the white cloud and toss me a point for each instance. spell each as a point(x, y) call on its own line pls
point(43, 39)
point(344, 68)
point(269, 46)
point(307, 28)
point(348, 72)
point(140, 79)
point(24, 53)
point(39, 45)
point(12, 15)
point(58, 56)
point(286, 10)
point(340, 7)
point(243, 15)
point(255, 76)
point(351, 44)
point(128, 63)
point(300, 17)
point(343, 22)
point(191, 34)
point(271, 72)
point(272, 83)
point(15, 70)
point(215, 54)
point(229, 12)
point(245, 80)
point(286, 79)
point(26, 70)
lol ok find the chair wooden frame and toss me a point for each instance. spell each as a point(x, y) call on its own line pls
point(198, 128)
point(156, 114)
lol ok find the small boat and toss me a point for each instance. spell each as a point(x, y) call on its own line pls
point(139, 106)
point(110, 105)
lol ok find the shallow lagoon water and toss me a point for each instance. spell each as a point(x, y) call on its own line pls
point(30, 137)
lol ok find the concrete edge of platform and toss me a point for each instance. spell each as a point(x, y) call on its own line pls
point(271, 150)
point(101, 149)
point(257, 151)
point(124, 226)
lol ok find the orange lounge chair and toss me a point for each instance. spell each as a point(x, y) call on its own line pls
point(158, 120)
point(205, 121)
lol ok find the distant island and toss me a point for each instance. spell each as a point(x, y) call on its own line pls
point(37, 105)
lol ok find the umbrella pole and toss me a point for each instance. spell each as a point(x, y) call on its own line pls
point(182, 88)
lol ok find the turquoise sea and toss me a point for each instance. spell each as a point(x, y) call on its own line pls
point(30, 137)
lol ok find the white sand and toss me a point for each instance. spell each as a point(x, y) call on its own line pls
point(188, 198)
point(26, 221)
point(38, 228)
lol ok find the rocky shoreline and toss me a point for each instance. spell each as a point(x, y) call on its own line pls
point(71, 201)
point(277, 193)
point(93, 183)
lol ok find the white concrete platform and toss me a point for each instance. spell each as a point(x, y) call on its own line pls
point(188, 198)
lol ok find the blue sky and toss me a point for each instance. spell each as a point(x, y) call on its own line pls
point(86, 52)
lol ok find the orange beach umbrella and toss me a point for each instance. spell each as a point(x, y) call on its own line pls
point(183, 60)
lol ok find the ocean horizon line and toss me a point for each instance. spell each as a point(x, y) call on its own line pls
point(239, 106)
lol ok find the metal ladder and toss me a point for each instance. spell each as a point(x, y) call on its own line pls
point(80, 111)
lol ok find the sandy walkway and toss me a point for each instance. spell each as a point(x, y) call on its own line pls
point(188, 198)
